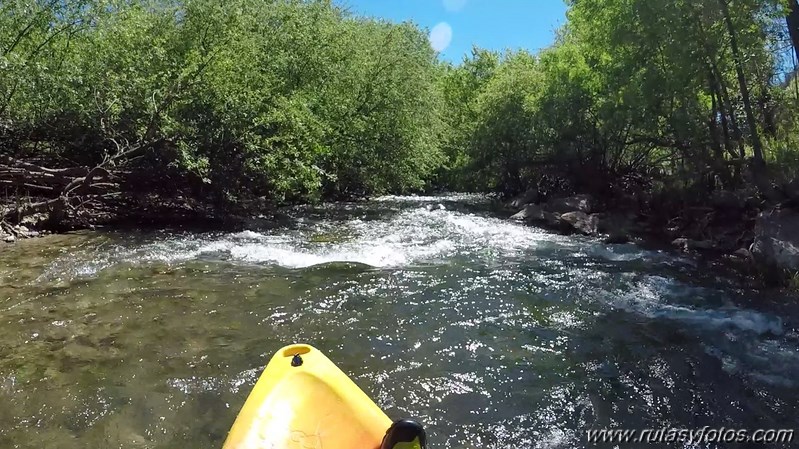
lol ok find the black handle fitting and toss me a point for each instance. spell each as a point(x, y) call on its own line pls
point(296, 360)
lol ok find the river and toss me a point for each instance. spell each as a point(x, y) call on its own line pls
point(494, 334)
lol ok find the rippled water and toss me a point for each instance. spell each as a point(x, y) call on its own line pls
point(494, 334)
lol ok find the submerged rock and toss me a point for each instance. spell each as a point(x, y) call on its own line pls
point(438, 206)
point(343, 267)
point(617, 239)
point(329, 237)
point(777, 239)
point(688, 244)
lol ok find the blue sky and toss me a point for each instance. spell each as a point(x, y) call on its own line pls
point(459, 24)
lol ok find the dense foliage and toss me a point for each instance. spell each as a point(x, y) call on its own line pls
point(290, 100)
point(686, 95)
point(248, 98)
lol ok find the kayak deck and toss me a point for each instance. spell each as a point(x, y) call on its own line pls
point(302, 400)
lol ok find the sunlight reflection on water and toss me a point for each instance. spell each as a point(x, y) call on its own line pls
point(494, 334)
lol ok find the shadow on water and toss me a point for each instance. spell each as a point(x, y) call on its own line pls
point(494, 334)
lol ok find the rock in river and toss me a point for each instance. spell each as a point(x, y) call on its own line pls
point(531, 212)
point(528, 197)
point(577, 203)
point(777, 239)
point(581, 222)
point(688, 244)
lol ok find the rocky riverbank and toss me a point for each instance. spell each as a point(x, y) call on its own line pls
point(10, 233)
point(762, 239)
point(129, 210)
point(759, 240)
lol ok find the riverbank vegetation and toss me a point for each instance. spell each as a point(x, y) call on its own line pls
point(682, 115)
point(236, 104)
point(686, 95)
point(117, 108)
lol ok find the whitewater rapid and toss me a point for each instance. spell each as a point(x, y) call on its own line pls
point(440, 307)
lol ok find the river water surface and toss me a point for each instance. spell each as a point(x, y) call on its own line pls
point(494, 334)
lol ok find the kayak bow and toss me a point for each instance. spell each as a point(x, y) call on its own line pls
point(304, 401)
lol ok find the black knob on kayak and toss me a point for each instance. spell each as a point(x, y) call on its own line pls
point(296, 360)
point(405, 433)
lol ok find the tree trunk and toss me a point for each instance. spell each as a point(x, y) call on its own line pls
point(719, 113)
point(757, 147)
point(713, 127)
point(729, 115)
point(792, 19)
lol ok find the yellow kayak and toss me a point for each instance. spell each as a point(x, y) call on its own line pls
point(304, 401)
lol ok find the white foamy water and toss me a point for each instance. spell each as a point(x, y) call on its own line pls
point(491, 332)
point(430, 230)
point(741, 339)
point(655, 297)
point(422, 234)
